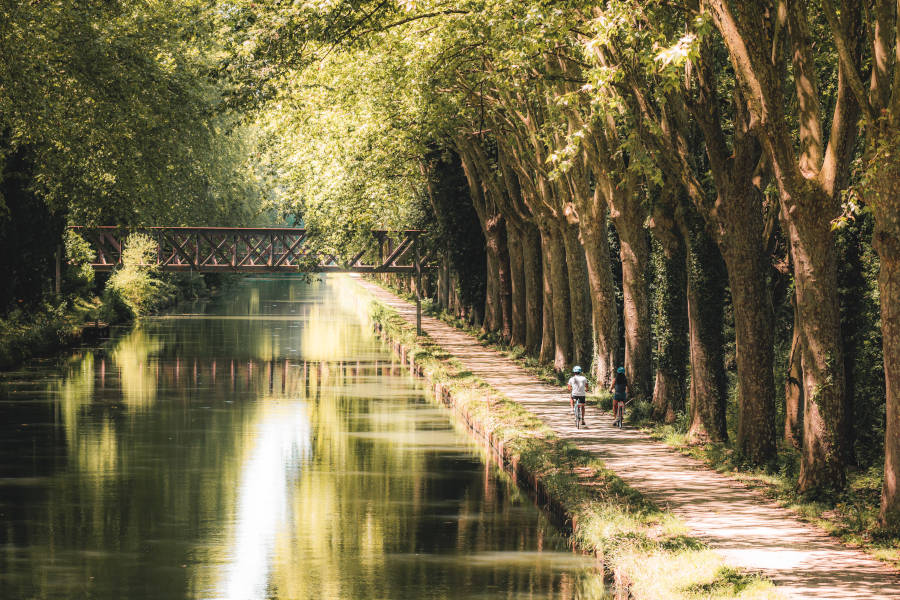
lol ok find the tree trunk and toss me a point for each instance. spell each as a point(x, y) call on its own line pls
point(444, 282)
point(517, 285)
point(815, 278)
point(548, 337)
point(705, 294)
point(531, 257)
point(793, 389)
point(492, 316)
point(888, 246)
point(671, 321)
point(579, 297)
point(603, 301)
point(504, 283)
point(561, 303)
point(884, 199)
point(634, 252)
point(753, 343)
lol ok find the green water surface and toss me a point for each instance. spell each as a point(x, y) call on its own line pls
point(264, 446)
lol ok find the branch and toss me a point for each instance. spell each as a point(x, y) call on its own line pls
point(419, 17)
point(810, 111)
point(845, 55)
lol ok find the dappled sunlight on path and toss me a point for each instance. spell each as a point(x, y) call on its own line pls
point(749, 531)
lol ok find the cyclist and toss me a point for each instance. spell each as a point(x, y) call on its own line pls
point(619, 388)
point(577, 387)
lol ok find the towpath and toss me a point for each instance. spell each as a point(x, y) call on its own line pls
point(749, 531)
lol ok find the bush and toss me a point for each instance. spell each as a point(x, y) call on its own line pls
point(640, 411)
point(79, 279)
point(604, 400)
point(135, 289)
point(22, 335)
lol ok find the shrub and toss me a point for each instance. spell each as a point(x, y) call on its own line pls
point(79, 278)
point(135, 289)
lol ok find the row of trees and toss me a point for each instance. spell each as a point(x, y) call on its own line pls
point(655, 180)
point(728, 146)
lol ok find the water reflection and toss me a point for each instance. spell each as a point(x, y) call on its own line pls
point(282, 443)
point(263, 447)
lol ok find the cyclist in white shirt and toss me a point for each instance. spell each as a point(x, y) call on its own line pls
point(577, 386)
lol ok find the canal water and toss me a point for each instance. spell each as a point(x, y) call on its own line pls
point(266, 445)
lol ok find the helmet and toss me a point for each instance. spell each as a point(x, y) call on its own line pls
point(620, 370)
point(576, 369)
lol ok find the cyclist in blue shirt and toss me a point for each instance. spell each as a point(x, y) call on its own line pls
point(619, 388)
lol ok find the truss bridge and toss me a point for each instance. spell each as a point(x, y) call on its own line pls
point(257, 250)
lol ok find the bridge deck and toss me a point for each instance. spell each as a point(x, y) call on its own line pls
point(257, 250)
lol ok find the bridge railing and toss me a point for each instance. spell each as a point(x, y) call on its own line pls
point(257, 250)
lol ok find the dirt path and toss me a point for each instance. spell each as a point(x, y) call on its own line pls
point(746, 529)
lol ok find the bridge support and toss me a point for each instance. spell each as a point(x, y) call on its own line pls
point(418, 265)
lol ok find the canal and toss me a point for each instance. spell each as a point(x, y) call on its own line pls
point(266, 445)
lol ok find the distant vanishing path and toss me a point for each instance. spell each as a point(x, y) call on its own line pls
point(749, 531)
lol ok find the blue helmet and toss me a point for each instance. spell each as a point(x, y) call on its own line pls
point(576, 369)
point(620, 370)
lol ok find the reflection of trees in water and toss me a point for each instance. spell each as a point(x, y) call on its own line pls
point(160, 435)
point(131, 356)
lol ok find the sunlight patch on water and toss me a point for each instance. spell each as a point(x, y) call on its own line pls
point(282, 445)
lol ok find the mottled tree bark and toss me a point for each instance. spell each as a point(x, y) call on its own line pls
point(561, 302)
point(821, 360)
point(579, 299)
point(492, 317)
point(809, 176)
point(793, 389)
point(888, 245)
point(548, 337)
point(705, 297)
point(884, 197)
point(517, 285)
point(603, 300)
point(498, 239)
point(753, 340)
point(635, 253)
point(533, 279)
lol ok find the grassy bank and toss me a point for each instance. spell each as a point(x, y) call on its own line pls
point(646, 549)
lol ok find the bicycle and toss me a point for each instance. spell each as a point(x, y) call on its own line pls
point(619, 412)
point(578, 410)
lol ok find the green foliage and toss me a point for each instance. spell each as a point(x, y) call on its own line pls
point(121, 109)
point(41, 329)
point(135, 289)
point(79, 275)
point(861, 333)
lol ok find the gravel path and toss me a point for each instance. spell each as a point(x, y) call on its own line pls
point(749, 531)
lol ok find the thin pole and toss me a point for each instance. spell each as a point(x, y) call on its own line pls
point(418, 285)
point(58, 269)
